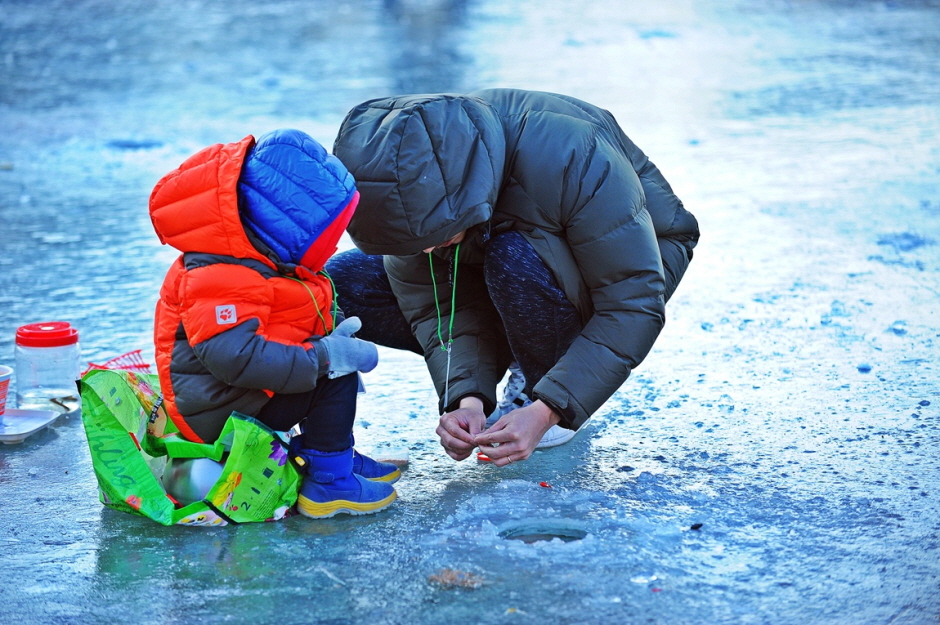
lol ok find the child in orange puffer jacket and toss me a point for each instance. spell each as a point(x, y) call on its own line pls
point(247, 320)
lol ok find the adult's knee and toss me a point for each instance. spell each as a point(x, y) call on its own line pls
point(516, 277)
point(354, 271)
point(507, 255)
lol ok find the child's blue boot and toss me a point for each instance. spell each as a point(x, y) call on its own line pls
point(362, 465)
point(375, 470)
point(330, 487)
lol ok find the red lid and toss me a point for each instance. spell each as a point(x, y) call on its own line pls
point(46, 334)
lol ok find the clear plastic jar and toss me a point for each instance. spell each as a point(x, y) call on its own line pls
point(48, 363)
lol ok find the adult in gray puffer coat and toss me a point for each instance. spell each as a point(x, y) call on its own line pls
point(555, 237)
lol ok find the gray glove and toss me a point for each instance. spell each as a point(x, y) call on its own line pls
point(344, 353)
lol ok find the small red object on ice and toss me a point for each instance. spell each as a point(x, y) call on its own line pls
point(656, 589)
point(545, 485)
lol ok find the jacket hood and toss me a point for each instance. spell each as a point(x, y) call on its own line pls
point(427, 166)
point(195, 208)
point(293, 197)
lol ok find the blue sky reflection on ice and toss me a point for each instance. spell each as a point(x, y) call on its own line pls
point(790, 406)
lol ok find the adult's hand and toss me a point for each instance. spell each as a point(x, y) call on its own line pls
point(458, 429)
point(515, 435)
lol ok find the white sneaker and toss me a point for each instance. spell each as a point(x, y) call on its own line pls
point(513, 398)
point(555, 436)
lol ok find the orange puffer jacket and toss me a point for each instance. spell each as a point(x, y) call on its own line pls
point(234, 324)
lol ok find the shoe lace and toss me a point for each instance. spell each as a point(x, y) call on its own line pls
point(514, 387)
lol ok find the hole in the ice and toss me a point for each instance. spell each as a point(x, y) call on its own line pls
point(534, 530)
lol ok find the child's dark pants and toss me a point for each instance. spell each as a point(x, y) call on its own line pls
point(326, 413)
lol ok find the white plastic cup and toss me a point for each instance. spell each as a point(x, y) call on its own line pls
point(5, 373)
point(48, 363)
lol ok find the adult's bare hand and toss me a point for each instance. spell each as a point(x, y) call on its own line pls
point(515, 435)
point(458, 429)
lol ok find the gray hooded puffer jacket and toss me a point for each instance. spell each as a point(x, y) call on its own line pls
point(559, 171)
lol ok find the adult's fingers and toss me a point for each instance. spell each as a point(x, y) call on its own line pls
point(504, 444)
point(454, 445)
point(506, 454)
point(502, 451)
point(498, 434)
point(456, 428)
point(476, 426)
point(508, 460)
point(455, 449)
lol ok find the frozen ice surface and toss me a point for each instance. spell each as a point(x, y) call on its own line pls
point(788, 412)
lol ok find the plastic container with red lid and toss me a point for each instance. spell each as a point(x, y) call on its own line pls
point(48, 362)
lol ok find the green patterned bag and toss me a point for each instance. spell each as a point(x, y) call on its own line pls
point(131, 439)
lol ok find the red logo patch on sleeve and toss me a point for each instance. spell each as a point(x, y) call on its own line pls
point(225, 315)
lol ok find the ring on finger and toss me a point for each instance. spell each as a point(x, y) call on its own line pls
point(509, 458)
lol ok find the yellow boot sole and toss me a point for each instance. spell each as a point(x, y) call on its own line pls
point(391, 478)
point(327, 509)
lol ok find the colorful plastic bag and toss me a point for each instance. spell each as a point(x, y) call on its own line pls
point(131, 440)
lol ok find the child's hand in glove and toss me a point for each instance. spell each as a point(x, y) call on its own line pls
point(346, 354)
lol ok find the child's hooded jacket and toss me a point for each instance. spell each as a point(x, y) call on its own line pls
point(240, 310)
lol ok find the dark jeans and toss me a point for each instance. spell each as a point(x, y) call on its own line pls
point(540, 322)
point(326, 413)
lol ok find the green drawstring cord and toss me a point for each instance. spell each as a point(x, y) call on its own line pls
point(335, 304)
point(450, 327)
point(316, 304)
point(453, 300)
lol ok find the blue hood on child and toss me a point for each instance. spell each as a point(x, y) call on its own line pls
point(290, 191)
